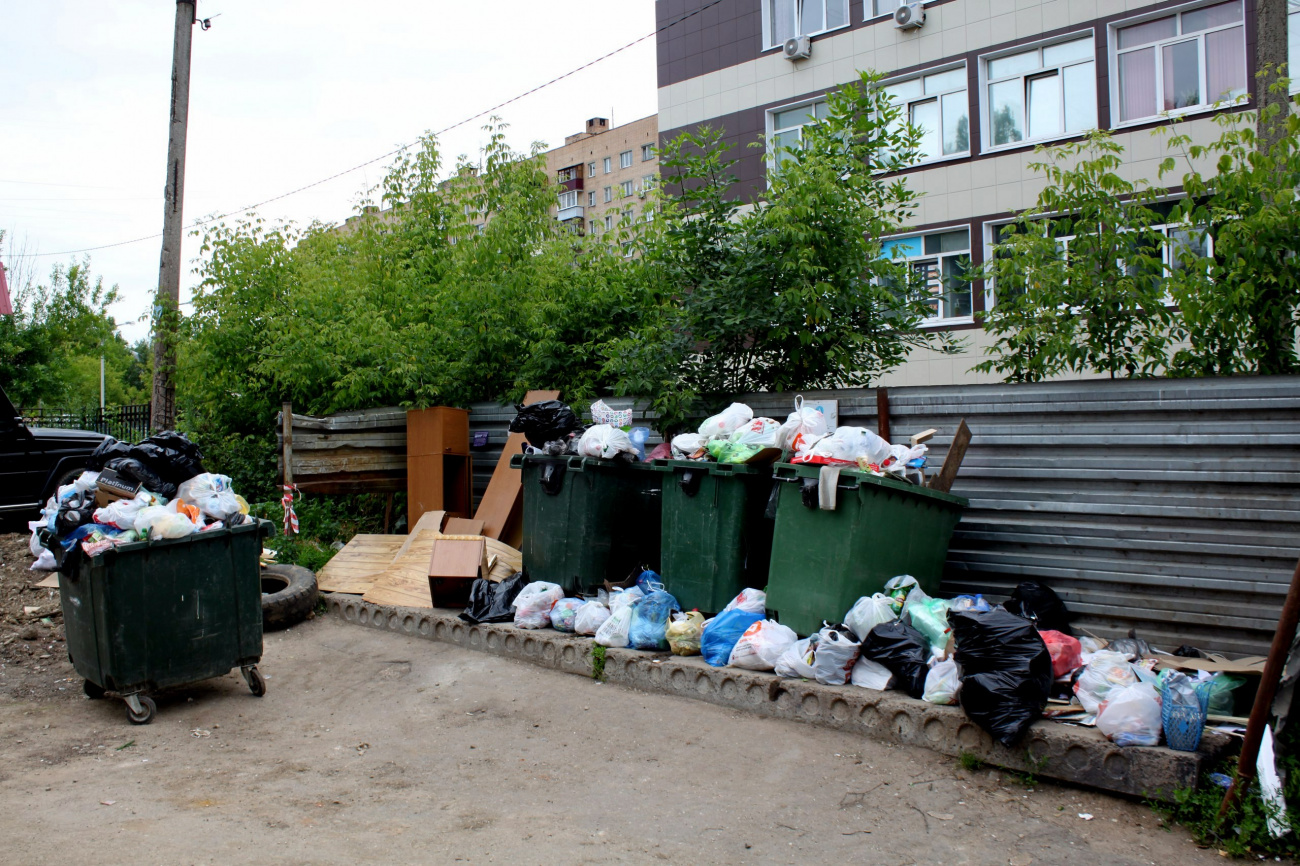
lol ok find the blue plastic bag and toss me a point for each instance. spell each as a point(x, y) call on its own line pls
point(650, 620)
point(721, 634)
point(649, 582)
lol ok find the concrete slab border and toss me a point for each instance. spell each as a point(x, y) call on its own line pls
point(1073, 754)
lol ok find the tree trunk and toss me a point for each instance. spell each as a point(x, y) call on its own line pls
point(1270, 57)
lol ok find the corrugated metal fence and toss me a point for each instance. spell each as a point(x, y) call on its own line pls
point(1168, 506)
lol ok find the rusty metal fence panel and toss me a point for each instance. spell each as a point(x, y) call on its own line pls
point(1169, 506)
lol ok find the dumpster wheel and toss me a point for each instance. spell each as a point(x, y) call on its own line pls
point(140, 709)
point(288, 595)
point(256, 682)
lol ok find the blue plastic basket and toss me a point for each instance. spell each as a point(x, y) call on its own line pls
point(1183, 724)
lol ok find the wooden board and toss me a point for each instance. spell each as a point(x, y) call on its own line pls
point(406, 580)
point(353, 568)
point(952, 462)
point(501, 508)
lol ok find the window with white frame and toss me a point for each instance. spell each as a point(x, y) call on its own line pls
point(591, 169)
point(649, 181)
point(1179, 62)
point(627, 187)
point(609, 193)
point(936, 104)
point(877, 8)
point(625, 159)
point(568, 198)
point(648, 150)
point(787, 128)
point(1293, 44)
point(937, 262)
point(609, 222)
point(591, 198)
point(783, 19)
point(591, 227)
point(609, 165)
point(1042, 93)
point(565, 175)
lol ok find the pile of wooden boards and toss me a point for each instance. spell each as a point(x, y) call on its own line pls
point(395, 569)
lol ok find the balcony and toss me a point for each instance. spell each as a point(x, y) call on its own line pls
point(569, 213)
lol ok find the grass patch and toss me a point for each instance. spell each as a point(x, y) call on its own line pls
point(598, 662)
point(970, 762)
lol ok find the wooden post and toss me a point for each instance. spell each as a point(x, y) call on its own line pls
point(952, 461)
point(882, 413)
point(286, 425)
point(1268, 682)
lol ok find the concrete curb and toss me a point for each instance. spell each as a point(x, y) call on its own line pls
point(1079, 755)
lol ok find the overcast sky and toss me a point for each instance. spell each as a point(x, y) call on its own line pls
point(283, 93)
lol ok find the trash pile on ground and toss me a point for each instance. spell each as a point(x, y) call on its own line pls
point(998, 662)
point(156, 488)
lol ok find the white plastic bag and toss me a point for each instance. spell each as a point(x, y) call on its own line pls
point(834, 657)
point(762, 645)
point(590, 617)
point(869, 612)
point(846, 445)
point(603, 413)
point(726, 422)
point(686, 444)
point(122, 513)
point(942, 683)
point(162, 521)
point(86, 481)
point(804, 427)
point(34, 544)
point(749, 600)
point(871, 675)
point(613, 632)
point(211, 494)
point(534, 602)
point(797, 660)
point(1131, 716)
point(760, 432)
point(624, 598)
point(605, 442)
point(1105, 671)
point(44, 562)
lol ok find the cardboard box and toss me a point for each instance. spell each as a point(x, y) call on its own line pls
point(457, 561)
point(112, 487)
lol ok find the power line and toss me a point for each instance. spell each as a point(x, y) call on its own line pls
point(398, 150)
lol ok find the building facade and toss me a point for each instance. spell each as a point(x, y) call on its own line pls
point(986, 80)
point(604, 173)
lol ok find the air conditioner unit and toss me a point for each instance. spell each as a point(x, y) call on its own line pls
point(909, 16)
point(798, 48)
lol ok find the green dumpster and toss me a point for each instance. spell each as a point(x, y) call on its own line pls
point(716, 539)
point(588, 520)
point(153, 614)
point(823, 561)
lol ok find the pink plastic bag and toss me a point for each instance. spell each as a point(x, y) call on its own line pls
point(1067, 654)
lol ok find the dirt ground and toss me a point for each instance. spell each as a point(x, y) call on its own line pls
point(33, 661)
point(376, 747)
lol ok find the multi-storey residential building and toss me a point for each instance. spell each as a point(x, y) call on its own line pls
point(604, 173)
point(987, 81)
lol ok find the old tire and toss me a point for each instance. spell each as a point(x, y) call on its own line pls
point(288, 595)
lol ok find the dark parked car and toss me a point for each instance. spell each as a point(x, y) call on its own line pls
point(34, 461)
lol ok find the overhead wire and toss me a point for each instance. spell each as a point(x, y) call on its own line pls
point(396, 151)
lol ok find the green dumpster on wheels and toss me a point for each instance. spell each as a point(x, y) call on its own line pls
point(716, 540)
point(151, 614)
point(823, 561)
point(588, 520)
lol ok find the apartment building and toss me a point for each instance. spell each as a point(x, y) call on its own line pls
point(604, 173)
point(987, 81)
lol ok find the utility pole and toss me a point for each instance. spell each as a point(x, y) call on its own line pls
point(166, 312)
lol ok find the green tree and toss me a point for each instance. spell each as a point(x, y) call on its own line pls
point(1079, 278)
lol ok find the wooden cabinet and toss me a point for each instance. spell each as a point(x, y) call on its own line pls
point(439, 474)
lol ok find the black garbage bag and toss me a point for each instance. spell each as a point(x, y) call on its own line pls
point(170, 456)
point(76, 510)
point(903, 650)
point(109, 449)
point(544, 422)
point(1006, 671)
point(491, 602)
point(1037, 601)
point(129, 467)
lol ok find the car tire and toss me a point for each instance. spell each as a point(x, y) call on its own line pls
point(66, 477)
point(288, 595)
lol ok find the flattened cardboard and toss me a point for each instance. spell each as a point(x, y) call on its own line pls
point(1252, 665)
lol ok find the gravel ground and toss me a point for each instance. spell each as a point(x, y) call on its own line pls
point(372, 746)
point(33, 660)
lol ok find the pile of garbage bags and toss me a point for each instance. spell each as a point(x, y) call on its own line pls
point(553, 429)
point(1000, 663)
point(154, 489)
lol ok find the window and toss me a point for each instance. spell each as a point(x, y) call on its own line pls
point(591, 227)
point(649, 181)
point(591, 169)
point(567, 174)
point(627, 187)
point(1293, 44)
point(1042, 93)
point(876, 8)
point(1179, 62)
point(609, 193)
point(783, 19)
point(787, 128)
point(936, 104)
point(938, 263)
point(609, 222)
point(625, 159)
point(648, 150)
point(591, 198)
point(609, 165)
point(568, 198)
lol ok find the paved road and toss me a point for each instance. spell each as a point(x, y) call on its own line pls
point(375, 747)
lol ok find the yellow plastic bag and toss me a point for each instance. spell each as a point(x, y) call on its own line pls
point(683, 633)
